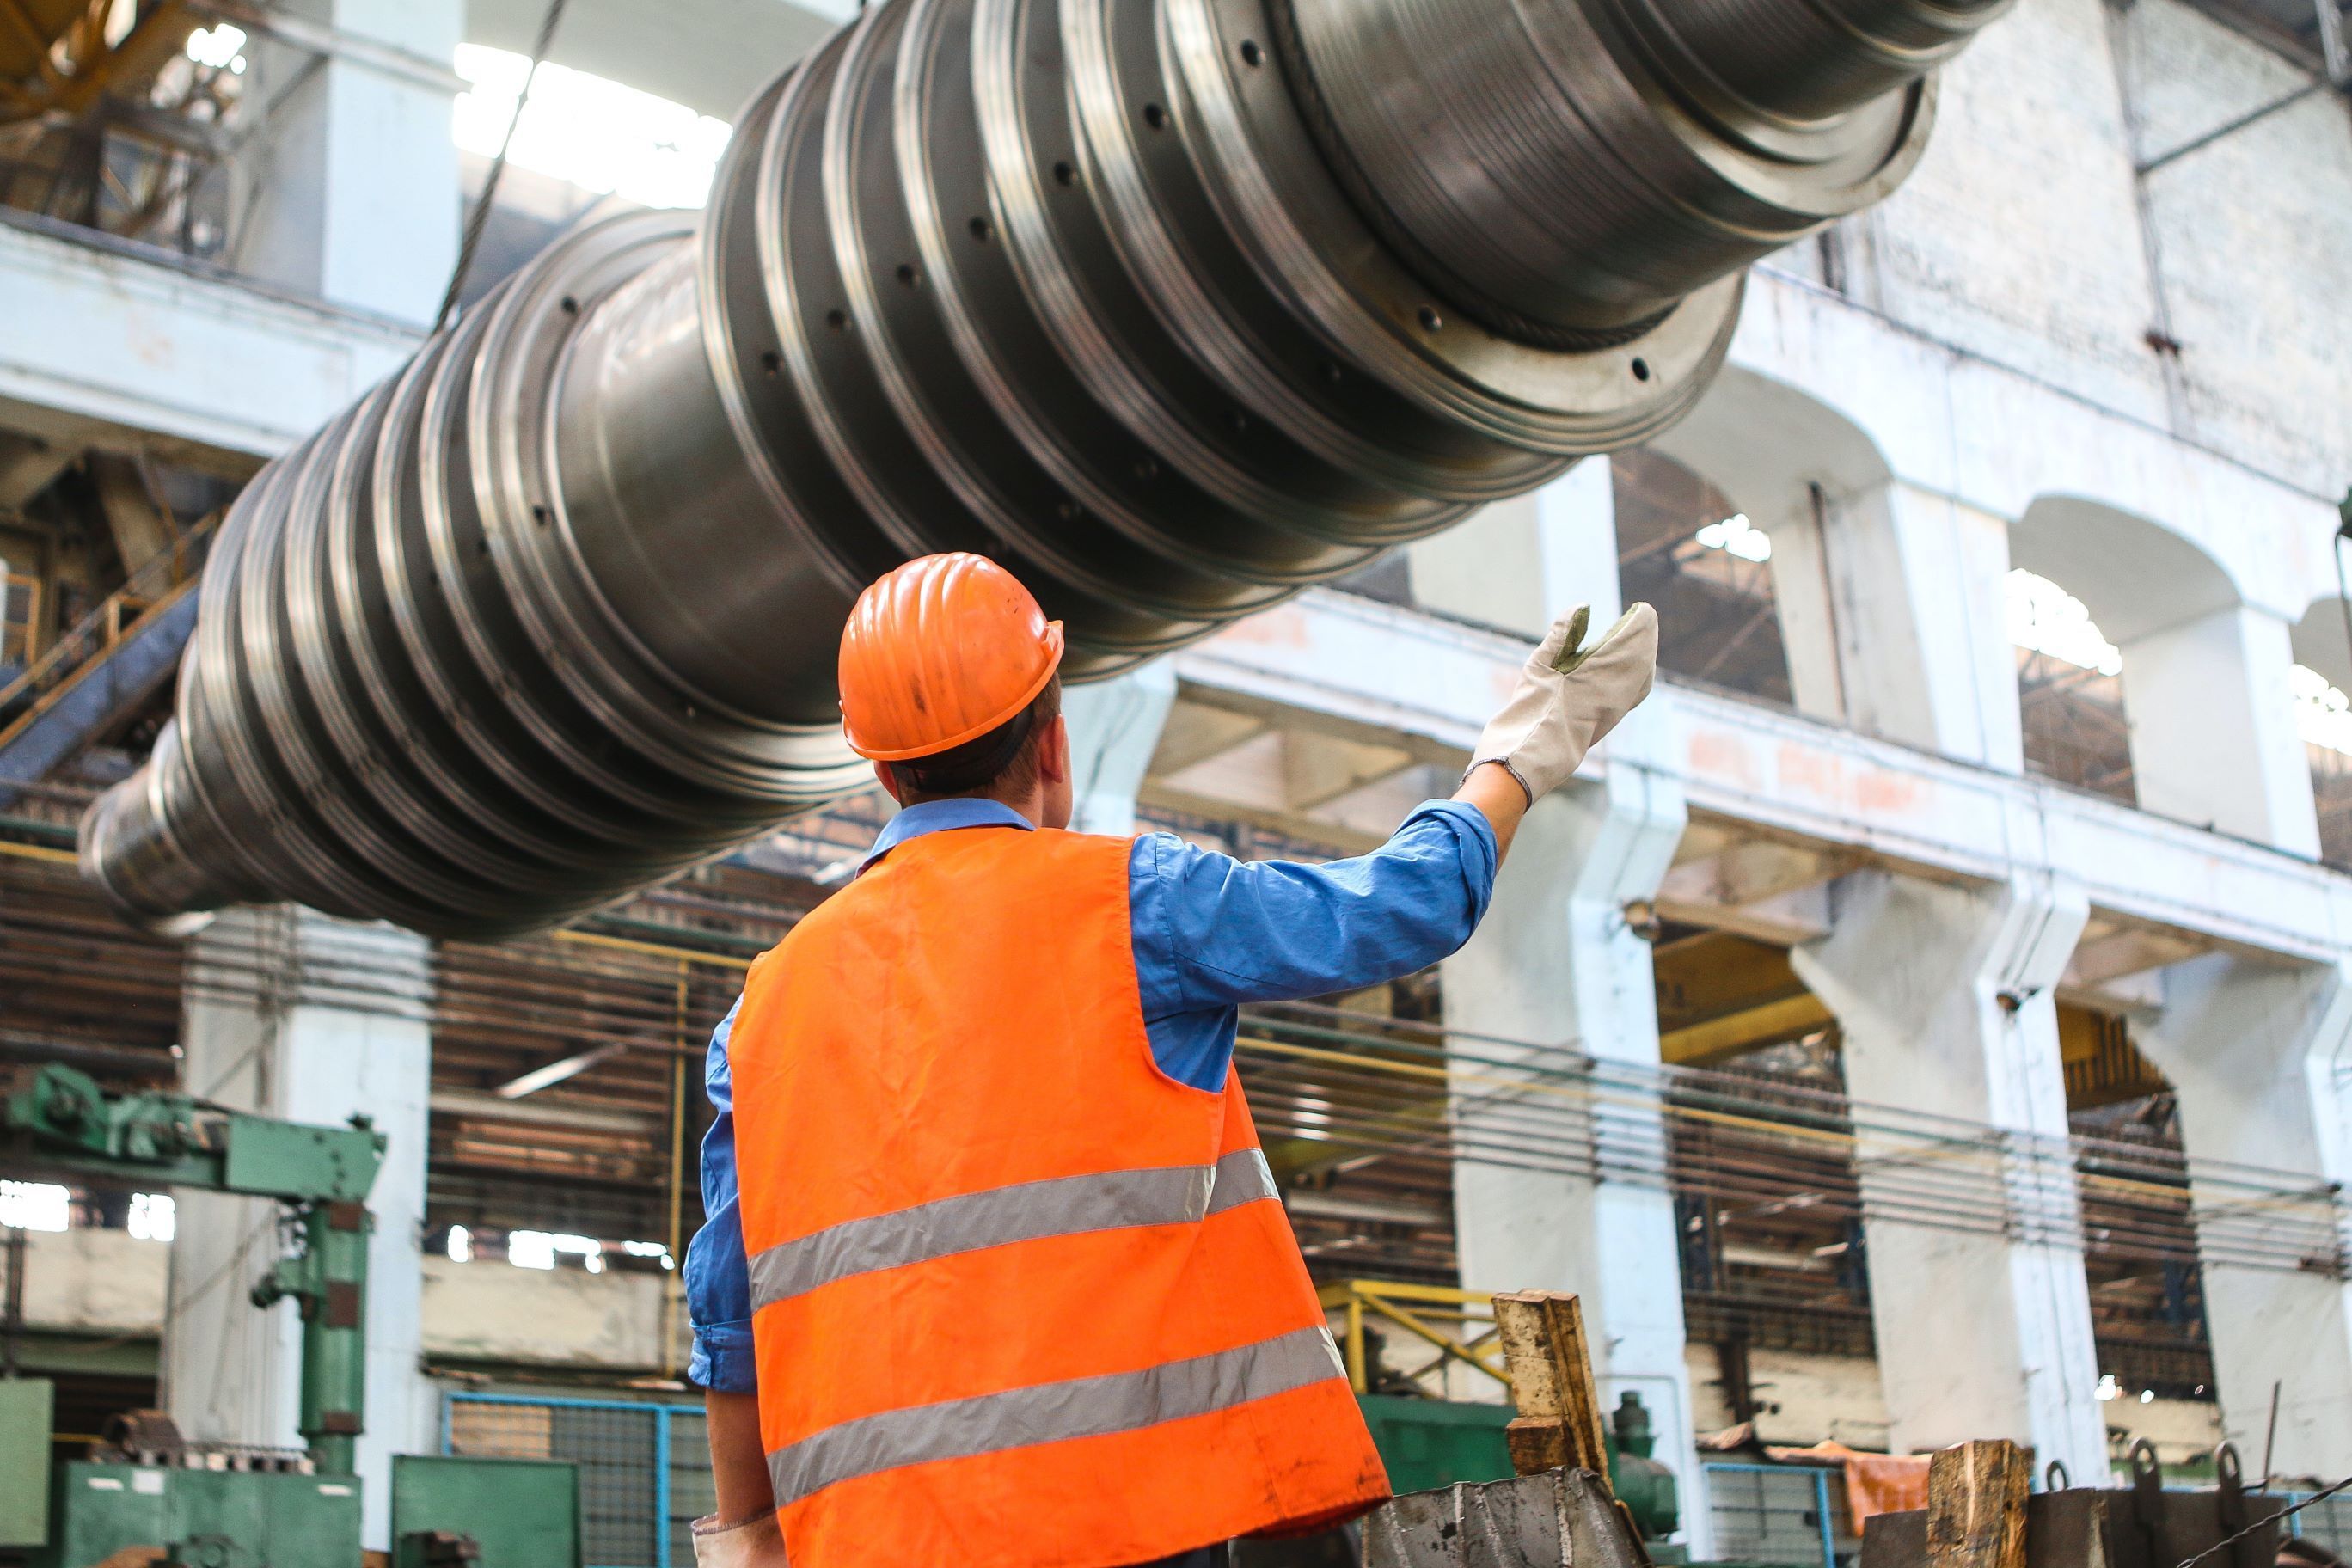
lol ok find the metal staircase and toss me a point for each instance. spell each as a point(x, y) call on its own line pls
point(111, 663)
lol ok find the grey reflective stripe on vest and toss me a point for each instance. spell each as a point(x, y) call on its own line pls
point(1053, 1412)
point(1027, 1211)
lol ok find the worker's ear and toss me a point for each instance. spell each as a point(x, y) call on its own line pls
point(889, 781)
point(1054, 755)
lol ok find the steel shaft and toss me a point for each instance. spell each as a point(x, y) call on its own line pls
point(1173, 306)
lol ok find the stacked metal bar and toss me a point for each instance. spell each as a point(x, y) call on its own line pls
point(1174, 306)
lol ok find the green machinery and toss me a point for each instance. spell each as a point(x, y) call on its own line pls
point(1429, 1443)
point(234, 1509)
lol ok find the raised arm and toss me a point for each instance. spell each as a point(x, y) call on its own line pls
point(1222, 931)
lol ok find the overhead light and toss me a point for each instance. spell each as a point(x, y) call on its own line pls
point(555, 1072)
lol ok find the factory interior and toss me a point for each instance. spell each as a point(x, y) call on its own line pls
point(1926, 1019)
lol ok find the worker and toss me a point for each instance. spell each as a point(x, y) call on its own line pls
point(995, 1273)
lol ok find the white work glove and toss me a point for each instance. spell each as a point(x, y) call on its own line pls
point(755, 1544)
point(1570, 696)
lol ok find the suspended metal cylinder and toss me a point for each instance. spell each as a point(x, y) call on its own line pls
point(1173, 306)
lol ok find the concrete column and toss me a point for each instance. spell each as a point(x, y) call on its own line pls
point(2213, 738)
point(353, 185)
point(1893, 616)
point(1519, 563)
point(290, 1014)
point(1554, 962)
point(1114, 729)
point(2261, 1058)
point(1943, 995)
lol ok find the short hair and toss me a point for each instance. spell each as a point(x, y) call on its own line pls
point(1006, 763)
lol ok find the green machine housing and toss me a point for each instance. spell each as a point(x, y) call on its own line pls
point(239, 1510)
point(208, 1519)
point(1432, 1443)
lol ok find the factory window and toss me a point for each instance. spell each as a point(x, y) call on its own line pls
point(2070, 691)
point(587, 132)
point(2323, 716)
point(583, 145)
point(34, 1206)
point(1683, 545)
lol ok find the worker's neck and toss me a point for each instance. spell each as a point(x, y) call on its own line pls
point(1030, 805)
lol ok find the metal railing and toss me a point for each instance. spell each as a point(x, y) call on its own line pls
point(155, 586)
point(1436, 1314)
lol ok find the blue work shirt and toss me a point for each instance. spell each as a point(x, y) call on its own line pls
point(1211, 933)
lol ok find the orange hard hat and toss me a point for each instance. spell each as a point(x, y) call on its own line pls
point(938, 652)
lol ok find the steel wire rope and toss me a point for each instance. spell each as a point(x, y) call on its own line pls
point(480, 219)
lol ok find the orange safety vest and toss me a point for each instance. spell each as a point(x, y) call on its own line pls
point(1020, 1299)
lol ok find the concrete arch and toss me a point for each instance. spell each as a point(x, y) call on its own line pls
point(2136, 575)
point(1764, 443)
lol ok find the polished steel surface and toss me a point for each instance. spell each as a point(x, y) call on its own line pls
point(1569, 171)
point(1173, 306)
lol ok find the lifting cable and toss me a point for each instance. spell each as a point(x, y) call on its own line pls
point(489, 197)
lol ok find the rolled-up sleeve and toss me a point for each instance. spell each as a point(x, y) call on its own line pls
point(718, 1281)
point(1211, 932)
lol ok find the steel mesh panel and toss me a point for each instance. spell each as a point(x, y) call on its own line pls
point(1766, 1515)
point(616, 1447)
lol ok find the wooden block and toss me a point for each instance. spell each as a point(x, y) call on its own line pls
point(1538, 1443)
point(1976, 1505)
point(1544, 1347)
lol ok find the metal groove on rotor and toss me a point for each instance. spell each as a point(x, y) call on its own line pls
point(1173, 306)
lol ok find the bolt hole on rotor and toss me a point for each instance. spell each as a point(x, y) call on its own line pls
point(1251, 54)
point(571, 306)
point(837, 319)
point(908, 274)
point(1064, 175)
point(1430, 320)
point(539, 514)
point(1155, 117)
point(1640, 370)
point(980, 229)
point(771, 363)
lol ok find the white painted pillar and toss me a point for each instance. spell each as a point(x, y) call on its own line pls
point(1554, 962)
point(1943, 995)
point(355, 195)
point(2261, 1057)
point(290, 1014)
point(2213, 739)
point(1518, 562)
point(1114, 729)
point(1893, 616)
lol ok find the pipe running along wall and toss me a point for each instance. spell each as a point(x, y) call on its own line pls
point(1173, 306)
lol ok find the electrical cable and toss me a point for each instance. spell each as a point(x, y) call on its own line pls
point(489, 197)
